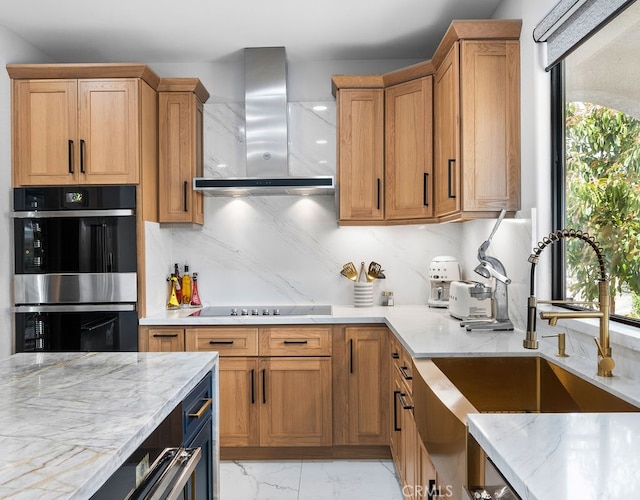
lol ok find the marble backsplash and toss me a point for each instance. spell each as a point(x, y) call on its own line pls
point(290, 249)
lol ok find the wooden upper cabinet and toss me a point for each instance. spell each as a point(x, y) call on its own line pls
point(360, 117)
point(477, 129)
point(180, 107)
point(409, 151)
point(446, 106)
point(69, 131)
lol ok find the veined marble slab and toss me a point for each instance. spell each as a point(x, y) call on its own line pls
point(69, 420)
point(573, 456)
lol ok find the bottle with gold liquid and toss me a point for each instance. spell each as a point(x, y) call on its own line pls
point(186, 286)
point(173, 300)
point(195, 296)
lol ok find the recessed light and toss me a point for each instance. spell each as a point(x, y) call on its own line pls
point(319, 108)
point(321, 141)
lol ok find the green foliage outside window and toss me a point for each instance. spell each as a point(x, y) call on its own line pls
point(603, 198)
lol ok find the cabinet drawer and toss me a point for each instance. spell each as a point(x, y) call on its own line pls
point(298, 341)
point(227, 341)
point(197, 408)
point(402, 367)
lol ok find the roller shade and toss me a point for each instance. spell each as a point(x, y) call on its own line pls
point(571, 21)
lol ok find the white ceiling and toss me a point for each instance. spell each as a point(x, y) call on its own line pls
point(215, 30)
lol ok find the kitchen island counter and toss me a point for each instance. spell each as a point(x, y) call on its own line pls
point(69, 420)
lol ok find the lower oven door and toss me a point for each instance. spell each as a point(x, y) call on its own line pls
point(100, 327)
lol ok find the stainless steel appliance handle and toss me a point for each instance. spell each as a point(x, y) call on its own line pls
point(47, 214)
point(170, 484)
point(74, 308)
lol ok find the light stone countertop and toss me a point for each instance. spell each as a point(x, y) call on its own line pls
point(543, 456)
point(69, 420)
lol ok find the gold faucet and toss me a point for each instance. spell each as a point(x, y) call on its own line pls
point(606, 363)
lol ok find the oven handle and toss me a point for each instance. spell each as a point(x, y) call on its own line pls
point(48, 214)
point(170, 482)
point(74, 308)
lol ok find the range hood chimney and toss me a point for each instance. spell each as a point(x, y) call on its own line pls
point(266, 135)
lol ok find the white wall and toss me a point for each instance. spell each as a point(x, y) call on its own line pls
point(12, 50)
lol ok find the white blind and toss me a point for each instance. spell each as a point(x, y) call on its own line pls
point(571, 21)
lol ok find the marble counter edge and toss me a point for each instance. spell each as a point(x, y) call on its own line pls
point(93, 483)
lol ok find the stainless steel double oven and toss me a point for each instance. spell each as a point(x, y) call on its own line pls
point(75, 279)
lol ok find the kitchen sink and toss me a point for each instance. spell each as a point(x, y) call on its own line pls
point(446, 390)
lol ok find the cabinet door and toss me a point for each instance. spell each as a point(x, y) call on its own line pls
point(360, 154)
point(44, 132)
point(446, 112)
point(166, 340)
point(296, 401)
point(180, 156)
point(409, 151)
point(490, 93)
point(367, 378)
point(239, 402)
point(109, 131)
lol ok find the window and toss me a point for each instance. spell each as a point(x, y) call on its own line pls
point(596, 140)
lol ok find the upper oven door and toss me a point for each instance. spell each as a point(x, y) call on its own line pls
point(75, 244)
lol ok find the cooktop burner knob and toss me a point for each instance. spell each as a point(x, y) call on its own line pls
point(276, 312)
point(245, 312)
point(234, 311)
point(265, 312)
point(254, 312)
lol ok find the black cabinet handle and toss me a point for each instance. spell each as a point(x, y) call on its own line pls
point(70, 150)
point(165, 335)
point(450, 177)
point(403, 370)
point(298, 342)
point(396, 427)
point(425, 198)
point(403, 403)
point(395, 355)
point(432, 491)
point(378, 204)
point(253, 386)
point(221, 342)
point(184, 195)
point(82, 156)
point(264, 387)
point(350, 355)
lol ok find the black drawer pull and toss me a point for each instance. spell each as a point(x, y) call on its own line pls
point(450, 177)
point(222, 342)
point(165, 335)
point(299, 342)
point(403, 403)
point(396, 427)
point(70, 152)
point(403, 370)
point(395, 355)
point(82, 156)
point(253, 386)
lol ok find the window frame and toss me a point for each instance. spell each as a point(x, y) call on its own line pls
point(558, 190)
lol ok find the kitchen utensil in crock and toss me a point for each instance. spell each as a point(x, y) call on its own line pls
point(373, 271)
point(349, 271)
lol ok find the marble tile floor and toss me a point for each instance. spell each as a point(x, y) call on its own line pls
point(309, 480)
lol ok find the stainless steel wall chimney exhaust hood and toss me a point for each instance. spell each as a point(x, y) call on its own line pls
point(266, 134)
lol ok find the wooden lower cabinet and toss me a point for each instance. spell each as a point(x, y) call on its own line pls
point(295, 406)
point(238, 393)
point(361, 374)
point(315, 391)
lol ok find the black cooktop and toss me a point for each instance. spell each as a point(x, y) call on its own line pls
point(282, 310)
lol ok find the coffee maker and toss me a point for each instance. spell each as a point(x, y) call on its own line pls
point(442, 271)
